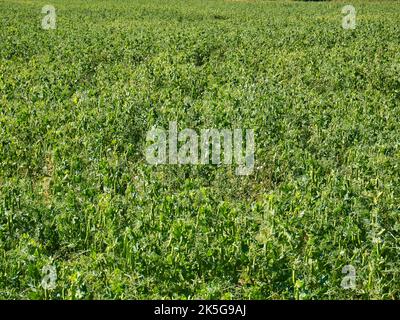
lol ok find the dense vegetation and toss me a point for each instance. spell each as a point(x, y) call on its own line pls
point(76, 192)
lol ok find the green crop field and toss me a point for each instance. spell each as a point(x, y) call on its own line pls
point(83, 215)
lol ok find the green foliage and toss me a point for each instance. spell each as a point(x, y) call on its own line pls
point(76, 192)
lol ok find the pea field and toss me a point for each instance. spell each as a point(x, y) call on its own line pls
point(83, 215)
